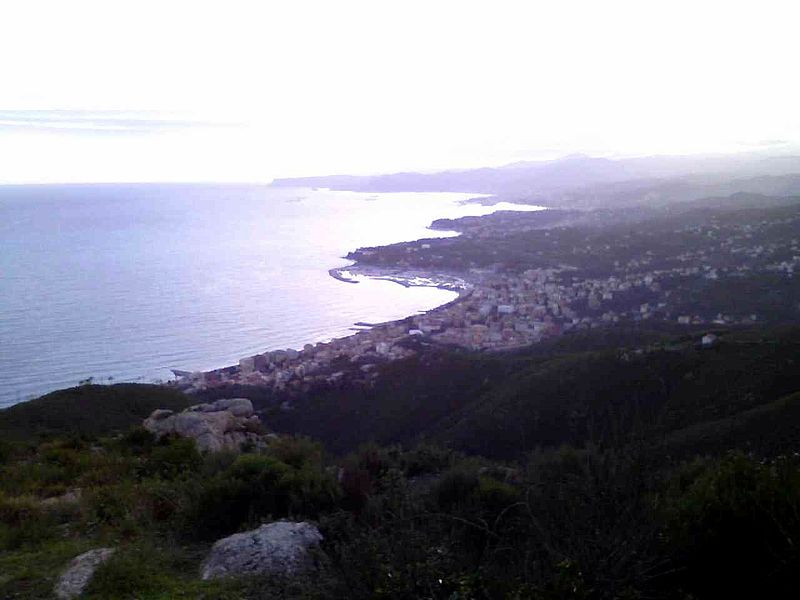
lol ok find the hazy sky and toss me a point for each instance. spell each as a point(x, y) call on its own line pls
point(170, 90)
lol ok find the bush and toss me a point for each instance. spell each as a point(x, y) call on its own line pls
point(734, 526)
point(16, 511)
point(496, 496)
point(23, 523)
point(143, 570)
point(587, 524)
point(426, 459)
point(296, 451)
point(260, 486)
point(173, 457)
point(137, 440)
point(112, 504)
point(6, 451)
point(455, 487)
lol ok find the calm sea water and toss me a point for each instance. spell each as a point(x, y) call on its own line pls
point(124, 282)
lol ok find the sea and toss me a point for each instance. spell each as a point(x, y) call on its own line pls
point(124, 282)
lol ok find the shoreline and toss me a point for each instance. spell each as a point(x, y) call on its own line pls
point(402, 276)
point(369, 345)
point(407, 278)
point(357, 354)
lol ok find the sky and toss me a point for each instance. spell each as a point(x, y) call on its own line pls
point(248, 91)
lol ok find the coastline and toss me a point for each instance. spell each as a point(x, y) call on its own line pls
point(402, 276)
point(369, 345)
point(223, 327)
point(359, 353)
point(407, 278)
point(462, 321)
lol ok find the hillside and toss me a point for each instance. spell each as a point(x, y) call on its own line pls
point(593, 388)
point(87, 410)
point(632, 463)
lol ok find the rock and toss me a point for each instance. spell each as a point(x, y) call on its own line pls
point(161, 413)
point(281, 548)
point(222, 425)
point(247, 365)
point(72, 496)
point(239, 407)
point(79, 573)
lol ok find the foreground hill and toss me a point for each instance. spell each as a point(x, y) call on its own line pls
point(87, 410)
point(628, 463)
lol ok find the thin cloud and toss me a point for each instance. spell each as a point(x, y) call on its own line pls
point(109, 122)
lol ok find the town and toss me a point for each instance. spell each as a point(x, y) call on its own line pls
point(593, 271)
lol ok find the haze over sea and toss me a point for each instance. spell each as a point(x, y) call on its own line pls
point(124, 282)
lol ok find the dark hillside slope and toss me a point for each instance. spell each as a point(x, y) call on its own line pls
point(87, 410)
point(603, 387)
point(769, 430)
point(614, 397)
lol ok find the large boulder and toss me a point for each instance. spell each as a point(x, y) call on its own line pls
point(281, 548)
point(222, 425)
point(79, 573)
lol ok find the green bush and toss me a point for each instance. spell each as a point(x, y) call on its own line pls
point(6, 452)
point(734, 526)
point(173, 457)
point(127, 575)
point(137, 440)
point(261, 486)
point(17, 510)
point(23, 523)
point(496, 496)
point(296, 451)
point(455, 487)
point(426, 459)
point(112, 504)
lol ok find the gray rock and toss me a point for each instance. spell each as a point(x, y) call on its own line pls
point(72, 496)
point(161, 413)
point(281, 548)
point(222, 425)
point(79, 573)
point(238, 407)
point(247, 365)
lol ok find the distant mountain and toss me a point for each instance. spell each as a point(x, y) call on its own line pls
point(522, 179)
point(516, 177)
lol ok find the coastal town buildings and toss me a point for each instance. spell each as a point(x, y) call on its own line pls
point(501, 308)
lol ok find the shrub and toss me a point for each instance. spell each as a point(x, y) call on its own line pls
point(18, 510)
point(296, 451)
point(257, 487)
point(734, 527)
point(137, 440)
point(6, 451)
point(173, 457)
point(137, 572)
point(23, 523)
point(587, 523)
point(426, 459)
point(455, 487)
point(496, 496)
